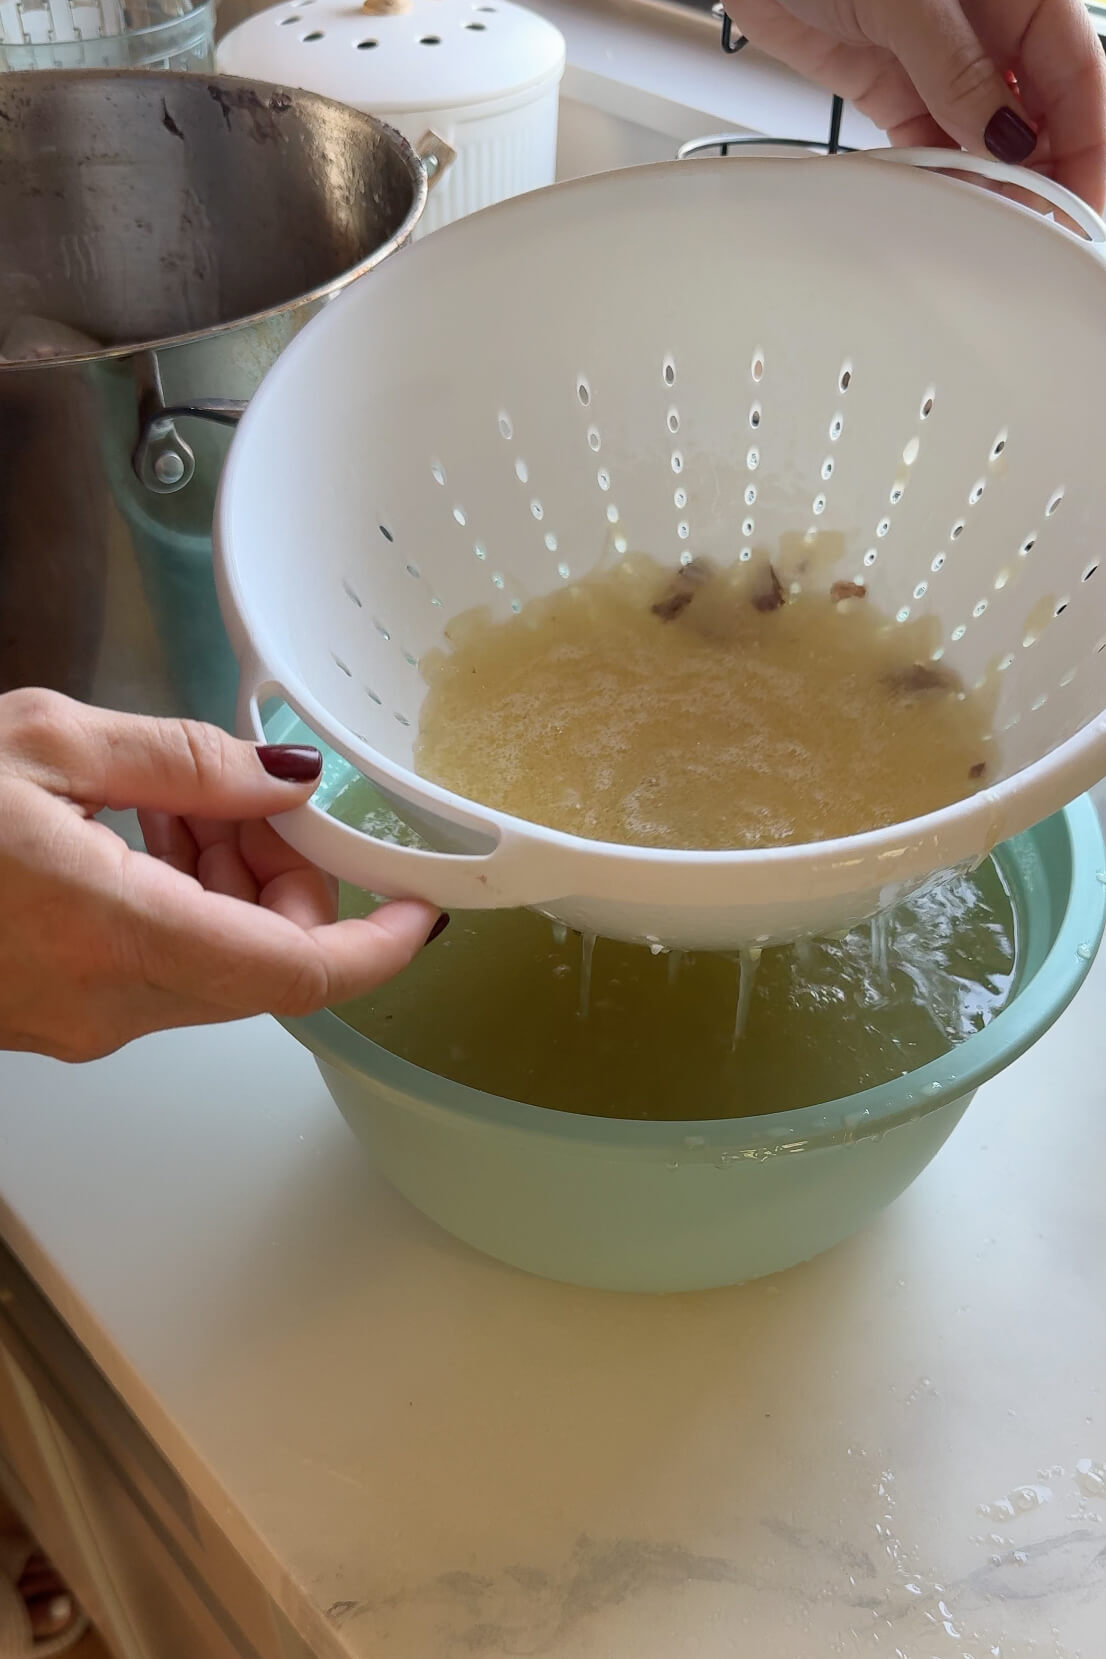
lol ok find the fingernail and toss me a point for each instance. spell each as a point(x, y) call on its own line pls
point(1008, 137)
point(439, 927)
point(291, 762)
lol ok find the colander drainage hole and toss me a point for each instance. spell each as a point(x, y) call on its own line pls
point(756, 415)
point(551, 542)
point(401, 718)
point(367, 45)
point(351, 593)
point(1061, 607)
point(845, 378)
point(673, 421)
point(284, 21)
point(957, 530)
point(1089, 572)
point(927, 404)
point(595, 442)
point(427, 40)
point(537, 510)
point(506, 425)
point(563, 572)
point(338, 663)
point(476, 28)
point(583, 391)
point(386, 533)
point(522, 471)
point(756, 367)
point(316, 34)
point(372, 696)
point(668, 371)
point(412, 570)
point(1054, 502)
point(938, 563)
point(836, 427)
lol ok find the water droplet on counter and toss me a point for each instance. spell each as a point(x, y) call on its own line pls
point(1090, 1478)
point(1026, 1498)
point(1085, 952)
point(1002, 1509)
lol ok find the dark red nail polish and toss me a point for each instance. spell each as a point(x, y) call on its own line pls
point(1008, 137)
point(291, 762)
point(439, 927)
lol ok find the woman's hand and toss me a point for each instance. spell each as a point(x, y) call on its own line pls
point(219, 920)
point(940, 72)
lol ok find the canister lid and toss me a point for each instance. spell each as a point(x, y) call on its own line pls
point(392, 56)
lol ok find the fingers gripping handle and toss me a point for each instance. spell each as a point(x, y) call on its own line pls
point(496, 880)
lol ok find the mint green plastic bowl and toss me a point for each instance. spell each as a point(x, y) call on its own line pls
point(654, 1207)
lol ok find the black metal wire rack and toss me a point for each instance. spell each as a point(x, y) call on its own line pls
point(735, 43)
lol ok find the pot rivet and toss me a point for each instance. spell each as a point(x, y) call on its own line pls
point(169, 467)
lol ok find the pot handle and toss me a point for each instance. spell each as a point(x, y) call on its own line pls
point(162, 461)
point(436, 155)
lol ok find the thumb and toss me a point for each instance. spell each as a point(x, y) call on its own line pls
point(957, 80)
point(103, 759)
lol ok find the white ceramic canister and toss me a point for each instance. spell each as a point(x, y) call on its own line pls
point(483, 74)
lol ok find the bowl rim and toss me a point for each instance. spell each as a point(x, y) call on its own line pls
point(869, 1113)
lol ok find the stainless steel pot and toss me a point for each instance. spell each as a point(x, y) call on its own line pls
point(190, 226)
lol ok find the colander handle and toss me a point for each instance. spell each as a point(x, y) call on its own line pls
point(512, 875)
point(1036, 184)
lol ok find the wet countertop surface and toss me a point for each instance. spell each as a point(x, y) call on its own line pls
point(897, 1450)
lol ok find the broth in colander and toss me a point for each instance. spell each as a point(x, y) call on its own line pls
point(507, 1003)
point(701, 709)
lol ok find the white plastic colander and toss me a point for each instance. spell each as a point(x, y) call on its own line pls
point(687, 360)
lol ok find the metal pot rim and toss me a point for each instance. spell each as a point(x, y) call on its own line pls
point(169, 79)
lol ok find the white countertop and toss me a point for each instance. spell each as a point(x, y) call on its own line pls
point(424, 1455)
